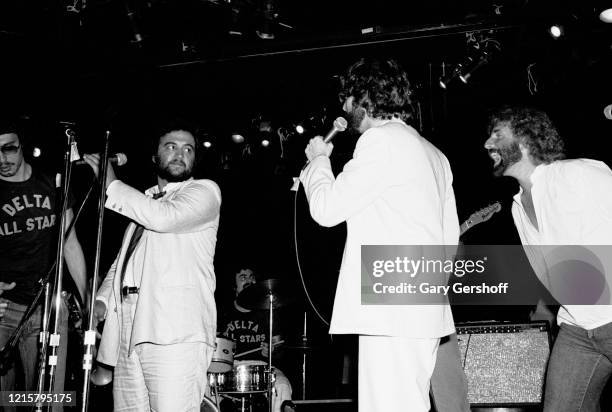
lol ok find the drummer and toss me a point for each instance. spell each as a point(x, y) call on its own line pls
point(250, 331)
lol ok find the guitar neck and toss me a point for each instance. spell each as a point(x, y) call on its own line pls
point(465, 226)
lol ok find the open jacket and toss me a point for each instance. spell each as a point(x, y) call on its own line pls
point(172, 265)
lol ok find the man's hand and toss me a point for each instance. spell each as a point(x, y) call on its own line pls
point(93, 160)
point(3, 302)
point(317, 147)
point(99, 310)
point(276, 340)
point(6, 286)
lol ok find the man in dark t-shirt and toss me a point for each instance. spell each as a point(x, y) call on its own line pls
point(28, 239)
point(249, 329)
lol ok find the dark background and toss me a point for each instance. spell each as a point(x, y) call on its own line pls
point(87, 63)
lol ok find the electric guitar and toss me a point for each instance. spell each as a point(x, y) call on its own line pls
point(75, 323)
point(479, 216)
point(75, 312)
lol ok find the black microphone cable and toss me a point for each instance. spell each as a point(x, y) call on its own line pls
point(340, 125)
point(297, 259)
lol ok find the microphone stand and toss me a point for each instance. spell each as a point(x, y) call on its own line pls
point(90, 334)
point(53, 340)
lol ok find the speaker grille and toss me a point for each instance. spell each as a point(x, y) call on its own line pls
point(504, 363)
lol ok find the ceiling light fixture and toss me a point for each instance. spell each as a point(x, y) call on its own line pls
point(606, 15)
point(480, 53)
point(556, 31)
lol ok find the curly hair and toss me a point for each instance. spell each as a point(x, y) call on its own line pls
point(381, 87)
point(534, 129)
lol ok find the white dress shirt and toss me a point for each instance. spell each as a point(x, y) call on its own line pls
point(572, 200)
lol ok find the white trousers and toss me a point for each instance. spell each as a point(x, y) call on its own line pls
point(395, 373)
point(159, 378)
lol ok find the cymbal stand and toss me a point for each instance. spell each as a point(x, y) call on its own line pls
point(304, 356)
point(215, 389)
point(270, 333)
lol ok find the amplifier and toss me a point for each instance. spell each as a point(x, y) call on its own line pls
point(505, 363)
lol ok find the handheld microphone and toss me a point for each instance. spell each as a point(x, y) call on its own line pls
point(118, 159)
point(340, 125)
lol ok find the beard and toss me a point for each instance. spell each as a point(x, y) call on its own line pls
point(9, 169)
point(355, 118)
point(509, 154)
point(169, 175)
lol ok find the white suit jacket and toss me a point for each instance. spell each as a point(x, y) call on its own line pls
point(397, 190)
point(172, 265)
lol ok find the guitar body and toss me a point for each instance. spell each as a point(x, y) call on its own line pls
point(75, 324)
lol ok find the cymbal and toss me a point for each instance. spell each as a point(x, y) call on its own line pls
point(257, 296)
point(299, 347)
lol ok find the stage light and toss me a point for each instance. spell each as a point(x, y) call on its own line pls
point(36, 152)
point(445, 80)
point(556, 31)
point(264, 138)
point(467, 72)
point(207, 140)
point(237, 138)
point(606, 15)
point(299, 128)
point(608, 112)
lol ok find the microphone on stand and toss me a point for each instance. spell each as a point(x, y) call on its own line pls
point(340, 125)
point(118, 159)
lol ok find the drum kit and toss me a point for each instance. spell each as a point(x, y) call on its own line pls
point(240, 380)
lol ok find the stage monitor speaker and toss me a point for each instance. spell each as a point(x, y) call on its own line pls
point(505, 363)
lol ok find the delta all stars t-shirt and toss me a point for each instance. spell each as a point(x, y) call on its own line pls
point(28, 233)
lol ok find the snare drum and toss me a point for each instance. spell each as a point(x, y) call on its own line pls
point(223, 357)
point(245, 377)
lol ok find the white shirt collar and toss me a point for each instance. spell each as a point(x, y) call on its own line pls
point(535, 176)
point(170, 187)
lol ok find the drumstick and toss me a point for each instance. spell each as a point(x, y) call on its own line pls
point(256, 349)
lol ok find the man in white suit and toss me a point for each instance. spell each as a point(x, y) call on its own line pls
point(158, 297)
point(397, 190)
